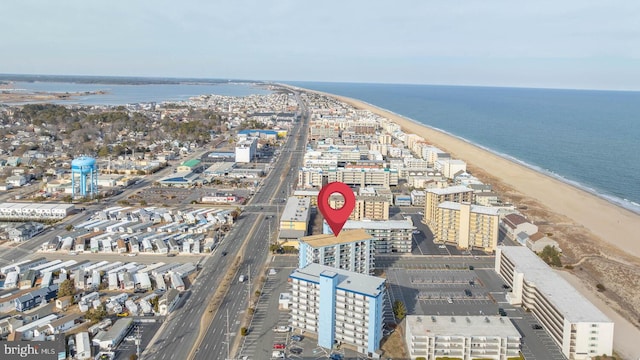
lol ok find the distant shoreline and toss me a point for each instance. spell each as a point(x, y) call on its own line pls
point(591, 211)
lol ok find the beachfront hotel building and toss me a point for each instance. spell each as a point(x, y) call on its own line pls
point(351, 250)
point(461, 337)
point(338, 305)
point(466, 226)
point(579, 328)
point(367, 207)
point(362, 176)
point(435, 197)
point(390, 236)
point(295, 217)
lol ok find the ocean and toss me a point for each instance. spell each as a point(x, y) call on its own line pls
point(590, 139)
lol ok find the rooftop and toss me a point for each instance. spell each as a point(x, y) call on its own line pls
point(191, 163)
point(449, 190)
point(564, 297)
point(296, 209)
point(466, 326)
point(379, 224)
point(478, 209)
point(344, 237)
point(347, 280)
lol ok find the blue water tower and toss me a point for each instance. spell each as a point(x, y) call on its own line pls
point(85, 169)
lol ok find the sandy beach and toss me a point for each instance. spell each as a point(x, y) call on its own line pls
point(610, 223)
point(599, 239)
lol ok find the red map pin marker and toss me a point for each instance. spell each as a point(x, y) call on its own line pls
point(336, 217)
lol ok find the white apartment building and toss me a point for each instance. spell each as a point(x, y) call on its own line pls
point(338, 305)
point(246, 150)
point(351, 250)
point(461, 337)
point(418, 197)
point(450, 167)
point(579, 328)
point(363, 176)
point(390, 236)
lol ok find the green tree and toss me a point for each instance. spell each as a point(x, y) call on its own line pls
point(551, 256)
point(244, 331)
point(96, 315)
point(66, 288)
point(68, 227)
point(399, 310)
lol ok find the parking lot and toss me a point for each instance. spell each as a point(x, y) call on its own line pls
point(468, 292)
point(261, 340)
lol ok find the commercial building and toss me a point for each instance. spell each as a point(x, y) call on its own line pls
point(295, 217)
point(462, 337)
point(437, 196)
point(338, 305)
point(246, 150)
point(36, 212)
point(350, 250)
point(466, 226)
point(579, 328)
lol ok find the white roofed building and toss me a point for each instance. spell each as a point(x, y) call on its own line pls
point(579, 328)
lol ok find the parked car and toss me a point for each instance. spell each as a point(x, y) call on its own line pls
point(279, 346)
point(297, 337)
point(536, 326)
point(295, 351)
point(282, 329)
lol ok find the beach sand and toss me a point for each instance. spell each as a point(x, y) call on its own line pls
point(599, 239)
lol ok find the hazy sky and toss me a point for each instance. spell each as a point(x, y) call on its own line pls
point(541, 43)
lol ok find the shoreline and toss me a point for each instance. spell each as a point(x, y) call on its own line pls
point(611, 223)
point(612, 199)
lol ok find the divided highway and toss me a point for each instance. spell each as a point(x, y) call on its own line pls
point(178, 336)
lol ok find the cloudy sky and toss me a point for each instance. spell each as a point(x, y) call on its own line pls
point(541, 43)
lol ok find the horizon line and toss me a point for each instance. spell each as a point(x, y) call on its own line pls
point(3, 77)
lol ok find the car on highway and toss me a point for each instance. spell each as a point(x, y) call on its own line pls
point(224, 253)
point(241, 278)
point(279, 346)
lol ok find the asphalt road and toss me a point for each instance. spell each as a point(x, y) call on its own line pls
point(178, 336)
